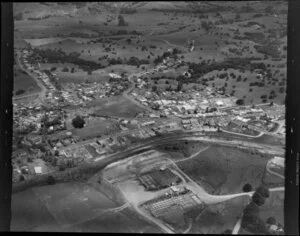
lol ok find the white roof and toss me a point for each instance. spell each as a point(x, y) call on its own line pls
point(38, 169)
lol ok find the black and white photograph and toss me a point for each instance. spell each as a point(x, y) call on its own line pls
point(149, 117)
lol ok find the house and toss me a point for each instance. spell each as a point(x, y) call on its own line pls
point(38, 169)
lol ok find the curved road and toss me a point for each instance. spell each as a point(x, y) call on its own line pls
point(245, 135)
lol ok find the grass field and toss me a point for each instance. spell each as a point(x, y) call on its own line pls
point(95, 128)
point(215, 219)
point(29, 211)
point(115, 223)
point(115, 106)
point(225, 170)
point(23, 81)
point(63, 204)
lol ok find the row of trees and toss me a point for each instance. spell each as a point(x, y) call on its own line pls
point(57, 56)
point(251, 219)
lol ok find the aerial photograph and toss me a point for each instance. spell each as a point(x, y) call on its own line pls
point(149, 117)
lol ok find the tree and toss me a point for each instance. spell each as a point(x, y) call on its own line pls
point(78, 122)
point(271, 221)
point(247, 187)
point(50, 180)
point(258, 199)
point(263, 191)
point(154, 88)
point(227, 231)
point(240, 102)
point(251, 209)
point(65, 69)
point(20, 91)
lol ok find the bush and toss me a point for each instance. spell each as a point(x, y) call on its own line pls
point(122, 21)
point(240, 102)
point(78, 122)
point(247, 187)
point(65, 69)
point(50, 180)
point(19, 16)
point(271, 221)
point(20, 91)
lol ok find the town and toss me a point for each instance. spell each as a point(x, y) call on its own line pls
point(162, 127)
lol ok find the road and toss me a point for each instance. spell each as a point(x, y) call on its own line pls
point(273, 172)
point(189, 227)
point(245, 135)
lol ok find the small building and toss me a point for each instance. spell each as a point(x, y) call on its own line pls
point(38, 169)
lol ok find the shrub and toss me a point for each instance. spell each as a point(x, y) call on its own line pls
point(65, 69)
point(50, 180)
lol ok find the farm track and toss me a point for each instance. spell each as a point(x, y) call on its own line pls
point(193, 155)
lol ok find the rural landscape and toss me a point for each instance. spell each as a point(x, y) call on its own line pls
point(149, 117)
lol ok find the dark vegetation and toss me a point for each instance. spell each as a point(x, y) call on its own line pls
point(59, 56)
point(78, 122)
point(251, 220)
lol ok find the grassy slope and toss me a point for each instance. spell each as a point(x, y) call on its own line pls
point(225, 169)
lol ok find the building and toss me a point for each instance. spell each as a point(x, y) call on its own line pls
point(152, 122)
